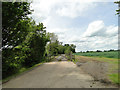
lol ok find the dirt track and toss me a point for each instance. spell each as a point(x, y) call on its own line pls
point(62, 74)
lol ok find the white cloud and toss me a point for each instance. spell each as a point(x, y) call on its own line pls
point(99, 37)
point(98, 28)
point(98, 43)
point(74, 9)
point(112, 30)
point(95, 28)
point(71, 8)
point(57, 30)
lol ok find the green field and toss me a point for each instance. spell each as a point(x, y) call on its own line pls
point(110, 54)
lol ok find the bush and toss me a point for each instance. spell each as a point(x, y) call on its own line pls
point(10, 62)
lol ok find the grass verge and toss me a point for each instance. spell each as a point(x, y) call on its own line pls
point(21, 71)
point(114, 78)
point(113, 68)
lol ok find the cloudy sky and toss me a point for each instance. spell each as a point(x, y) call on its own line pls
point(89, 25)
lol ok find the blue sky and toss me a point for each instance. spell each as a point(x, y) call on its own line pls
point(89, 25)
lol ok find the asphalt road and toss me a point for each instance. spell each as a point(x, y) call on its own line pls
point(62, 74)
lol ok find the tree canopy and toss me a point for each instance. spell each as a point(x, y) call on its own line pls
point(55, 47)
point(23, 41)
point(15, 22)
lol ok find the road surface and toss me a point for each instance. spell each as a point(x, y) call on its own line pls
point(64, 74)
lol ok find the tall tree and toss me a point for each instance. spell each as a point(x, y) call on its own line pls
point(15, 27)
point(51, 48)
point(34, 45)
point(14, 22)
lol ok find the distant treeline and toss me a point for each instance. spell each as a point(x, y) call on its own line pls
point(25, 43)
point(106, 53)
point(99, 51)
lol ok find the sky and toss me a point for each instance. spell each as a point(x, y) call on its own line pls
point(89, 25)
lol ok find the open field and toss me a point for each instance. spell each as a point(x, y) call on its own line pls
point(110, 54)
point(100, 60)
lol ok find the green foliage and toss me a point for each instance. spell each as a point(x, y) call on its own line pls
point(61, 49)
point(10, 63)
point(118, 11)
point(54, 47)
point(34, 45)
point(14, 22)
point(72, 47)
point(15, 27)
point(23, 41)
point(67, 51)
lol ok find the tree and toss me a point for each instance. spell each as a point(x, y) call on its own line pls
point(98, 51)
point(52, 46)
point(15, 27)
point(14, 22)
point(118, 11)
point(73, 48)
point(67, 51)
point(61, 49)
point(34, 45)
point(53, 37)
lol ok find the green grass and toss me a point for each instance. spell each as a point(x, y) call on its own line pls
point(75, 61)
point(111, 54)
point(114, 78)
